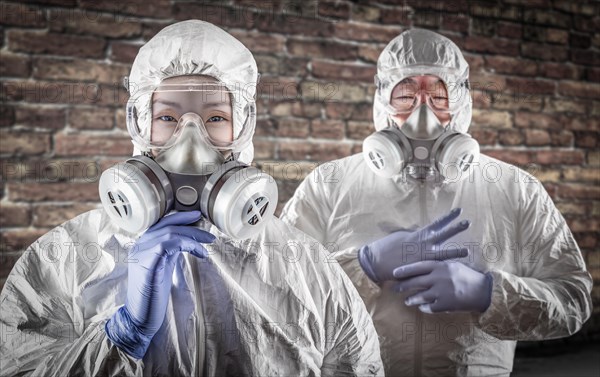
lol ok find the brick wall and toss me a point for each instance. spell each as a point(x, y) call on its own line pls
point(534, 70)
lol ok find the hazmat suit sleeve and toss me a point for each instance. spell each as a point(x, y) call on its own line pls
point(550, 297)
point(301, 212)
point(47, 328)
point(352, 346)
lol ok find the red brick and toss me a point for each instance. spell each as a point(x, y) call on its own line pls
point(370, 53)
point(503, 64)
point(491, 118)
point(151, 28)
point(86, 145)
point(579, 174)
point(321, 49)
point(366, 13)
point(510, 137)
point(7, 115)
point(260, 42)
point(264, 127)
point(544, 52)
point(327, 129)
point(16, 240)
point(50, 92)
point(305, 109)
point(559, 105)
point(398, 16)
point(516, 101)
point(277, 88)
point(579, 40)
point(476, 62)
point(483, 27)
point(355, 111)
point(51, 215)
point(40, 117)
point(586, 241)
point(492, 45)
point(571, 208)
point(530, 86)
point(24, 143)
point(366, 32)
point(581, 123)
point(549, 18)
point(593, 74)
point(14, 65)
point(579, 89)
point(586, 24)
point(585, 57)
point(123, 52)
point(312, 151)
point(62, 3)
point(557, 36)
point(515, 157)
point(573, 7)
point(7, 260)
point(359, 130)
point(79, 70)
point(12, 215)
point(333, 92)
point(232, 17)
point(69, 191)
point(587, 139)
point(485, 136)
point(55, 44)
point(91, 118)
point(334, 9)
point(579, 191)
point(578, 224)
point(559, 70)
point(70, 21)
point(487, 82)
point(537, 120)
point(154, 8)
point(556, 157)
point(22, 15)
point(263, 149)
point(343, 71)
point(291, 24)
point(49, 170)
point(292, 127)
point(561, 138)
point(454, 22)
point(509, 30)
point(536, 137)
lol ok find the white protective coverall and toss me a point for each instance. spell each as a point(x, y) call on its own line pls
point(541, 288)
point(269, 305)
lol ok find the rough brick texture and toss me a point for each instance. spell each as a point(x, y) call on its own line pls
point(534, 70)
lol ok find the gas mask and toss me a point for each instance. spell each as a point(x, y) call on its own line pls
point(421, 147)
point(184, 171)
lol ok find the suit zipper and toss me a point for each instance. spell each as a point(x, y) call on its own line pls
point(419, 318)
point(201, 332)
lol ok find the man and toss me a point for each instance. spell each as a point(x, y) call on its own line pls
point(89, 298)
point(517, 274)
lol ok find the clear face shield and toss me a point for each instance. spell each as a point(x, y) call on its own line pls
point(157, 117)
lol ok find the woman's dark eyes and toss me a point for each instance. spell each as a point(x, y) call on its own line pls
point(216, 118)
point(167, 118)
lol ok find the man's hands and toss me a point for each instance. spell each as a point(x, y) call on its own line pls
point(379, 259)
point(444, 286)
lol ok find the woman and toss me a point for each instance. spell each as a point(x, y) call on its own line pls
point(159, 303)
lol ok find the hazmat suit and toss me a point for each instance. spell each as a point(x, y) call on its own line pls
point(540, 288)
point(267, 305)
